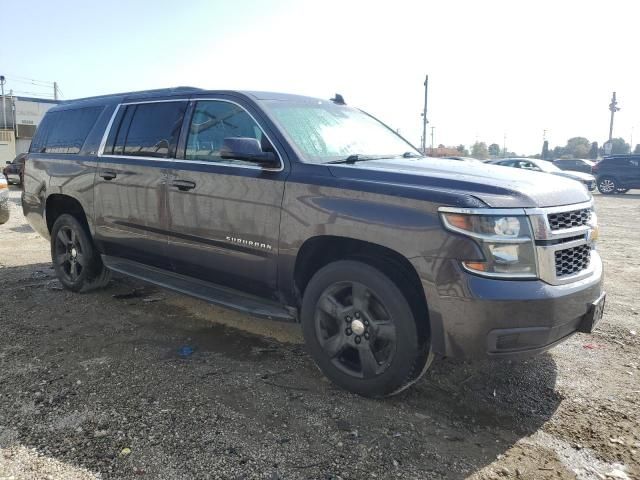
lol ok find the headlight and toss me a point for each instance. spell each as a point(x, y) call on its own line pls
point(506, 242)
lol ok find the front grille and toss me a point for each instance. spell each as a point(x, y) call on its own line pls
point(574, 218)
point(572, 260)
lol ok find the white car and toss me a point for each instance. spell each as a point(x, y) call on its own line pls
point(588, 180)
point(4, 201)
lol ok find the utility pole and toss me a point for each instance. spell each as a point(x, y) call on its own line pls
point(613, 107)
point(55, 90)
point(4, 111)
point(504, 145)
point(432, 129)
point(424, 116)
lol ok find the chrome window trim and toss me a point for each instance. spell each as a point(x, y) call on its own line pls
point(103, 142)
point(179, 160)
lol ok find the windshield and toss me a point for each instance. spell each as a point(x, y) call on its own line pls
point(325, 132)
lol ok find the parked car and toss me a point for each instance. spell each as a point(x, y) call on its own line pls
point(575, 164)
point(618, 173)
point(464, 159)
point(531, 164)
point(4, 201)
point(311, 211)
point(13, 170)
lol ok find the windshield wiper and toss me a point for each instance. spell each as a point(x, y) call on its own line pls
point(351, 159)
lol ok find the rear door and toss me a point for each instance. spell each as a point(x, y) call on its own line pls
point(130, 187)
point(634, 172)
point(224, 214)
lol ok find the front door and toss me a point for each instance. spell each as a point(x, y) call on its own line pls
point(224, 214)
point(131, 187)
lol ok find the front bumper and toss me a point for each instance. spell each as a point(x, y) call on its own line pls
point(477, 317)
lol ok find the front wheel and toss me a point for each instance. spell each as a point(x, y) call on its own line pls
point(607, 185)
point(75, 260)
point(361, 331)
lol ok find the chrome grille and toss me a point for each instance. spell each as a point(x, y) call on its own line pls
point(572, 260)
point(573, 218)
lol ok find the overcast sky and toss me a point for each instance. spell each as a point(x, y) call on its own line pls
point(495, 67)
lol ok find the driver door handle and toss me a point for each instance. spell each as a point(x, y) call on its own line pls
point(183, 185)
point(108, 174)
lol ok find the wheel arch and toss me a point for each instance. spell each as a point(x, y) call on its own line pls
point(58, 204)
point(318, 251)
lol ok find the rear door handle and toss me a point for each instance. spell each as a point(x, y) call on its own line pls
point(183, 185)
point(108, 174)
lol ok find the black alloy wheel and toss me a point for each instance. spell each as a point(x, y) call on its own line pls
point(355, 330)
point(361, 329)
point(68, 254)
point(77, 264)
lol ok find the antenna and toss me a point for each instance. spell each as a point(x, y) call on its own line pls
point(338, 100)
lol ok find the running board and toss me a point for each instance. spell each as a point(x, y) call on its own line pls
point(217, 295)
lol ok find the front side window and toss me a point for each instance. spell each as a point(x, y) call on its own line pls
point(212, 122)
point(324, 132)
point(150, 129)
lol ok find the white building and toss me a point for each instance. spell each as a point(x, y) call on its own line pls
point(18, 123)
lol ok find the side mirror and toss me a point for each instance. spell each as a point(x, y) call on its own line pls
point(9, 163)
point(247, 148)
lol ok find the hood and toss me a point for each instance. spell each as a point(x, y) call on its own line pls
point(494, 185)
point(584, 177)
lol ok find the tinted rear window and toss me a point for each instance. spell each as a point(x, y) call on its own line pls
point(65, 131)
point(150, 130)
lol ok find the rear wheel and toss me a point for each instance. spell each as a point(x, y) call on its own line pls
point(75, 260)
point(361, 331)
point(607, 185)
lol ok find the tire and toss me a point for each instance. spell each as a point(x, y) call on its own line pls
point(607, 185)
point(75, 260)
point(361, 331)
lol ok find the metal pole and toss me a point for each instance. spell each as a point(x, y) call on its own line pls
point(55, 90)
point(4, 111)
point(613, 107)
point(432, 129)
point(424, 116)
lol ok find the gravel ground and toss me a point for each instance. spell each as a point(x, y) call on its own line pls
point(93, 386)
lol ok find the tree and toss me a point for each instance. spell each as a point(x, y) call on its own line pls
point(463, 151)
point(479, 150)
point(545, 150)
point(558, 152)
point(494, 150)
point(619, 146)
point(637, 149)
point(593, 153)
point(577, 147)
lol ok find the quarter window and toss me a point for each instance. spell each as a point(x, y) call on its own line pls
point(65, 131)
point(212, 122)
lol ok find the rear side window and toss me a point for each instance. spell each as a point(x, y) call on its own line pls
point(149, 130)
point(65, 131)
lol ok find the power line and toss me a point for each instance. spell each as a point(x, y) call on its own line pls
point(17, 77)
point(31, 82)
point(43, 94)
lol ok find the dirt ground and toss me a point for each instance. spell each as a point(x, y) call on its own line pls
point(94, 386)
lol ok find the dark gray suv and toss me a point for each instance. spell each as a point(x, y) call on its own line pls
point(307, 210)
